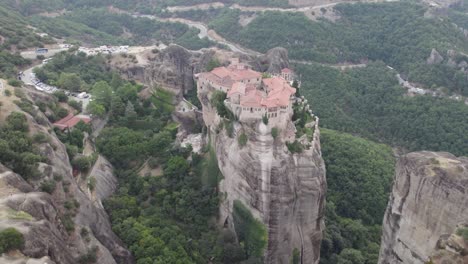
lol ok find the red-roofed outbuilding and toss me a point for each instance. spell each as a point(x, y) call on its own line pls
point(71, 120)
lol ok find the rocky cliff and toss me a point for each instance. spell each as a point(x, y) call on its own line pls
point(428, 202)
point(173, 67)
point(285, 191)
point(70, 222)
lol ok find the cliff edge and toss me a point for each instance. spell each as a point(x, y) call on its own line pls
point(282, 188)
point(429, 202)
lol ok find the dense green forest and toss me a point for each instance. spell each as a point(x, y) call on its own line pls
point(29, 7)
point(171, 218)
point(359, 178)
point(15, 36)
point(369, 102)
point(397, 33)
point(98, 26)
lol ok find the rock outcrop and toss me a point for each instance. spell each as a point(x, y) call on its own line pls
point(428, 202)
point(274, 60)
point(173, 67)
point(285, 191)
point(435, 57)
point(67, 224)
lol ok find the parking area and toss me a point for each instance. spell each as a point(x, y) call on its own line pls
point(29, 77)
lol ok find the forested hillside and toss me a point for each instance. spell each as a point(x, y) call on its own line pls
point(166, 205)
point(14, 36)
point(359, 177)
point(368, 101)
point(397, 33)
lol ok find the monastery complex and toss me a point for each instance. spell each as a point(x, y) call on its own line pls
point(250, 96)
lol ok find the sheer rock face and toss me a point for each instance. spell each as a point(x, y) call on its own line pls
point(428, 201)
point(273, 61)
point(173, 67)
point(285, 191)
point(43, 216)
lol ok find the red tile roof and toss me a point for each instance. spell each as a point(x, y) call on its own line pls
point(277, 90)
point(70, 121)
point(236, 74)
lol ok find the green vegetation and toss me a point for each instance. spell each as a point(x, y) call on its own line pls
point(98, 26)
point(163, 100)
point(15, 36)
point(242, 140)
point(74, 72)
point(19, 215)
point(296, 256)
point(208, 168)
point(274, 132)
point(295, 147)
point(463, 232)
point(396, 33)
point(10, 239)
point(169, 218)
point(16, 147)
point(250, 231)
point(213, 63)
point(217, 100)
point(369, 102)
point(359, 177)
point(48, 186)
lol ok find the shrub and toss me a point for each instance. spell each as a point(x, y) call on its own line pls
point(14, 82)
point(153, 163)
point(40, 57)
point(217, 100)
point(61, 96)
point(19, 93)
point(296, 256)
point(463, 232)
point(295, 147)
point(62, 112)
point(90, 257)
point(229, 128)
point(249, 230)
point(274, 132)
point(265, 119)
point(81, 163)
point(7, 93)
point(92, 183)
point(17, 122)
point(242, 140)
point(10, 239)
point(68, 223)
point(78, 106)
point(40, 138)
point(48, 186)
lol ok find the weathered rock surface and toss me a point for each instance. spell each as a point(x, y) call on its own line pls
point(274, 60)
point(173, 68)
point(452, 248)
point(428, 201)
point(43, 217)
point(285, 191)
point(435, 57)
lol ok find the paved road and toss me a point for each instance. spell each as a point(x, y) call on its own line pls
point(204, 33)
point(28, 78)
point(264, 8)
point(31, 54)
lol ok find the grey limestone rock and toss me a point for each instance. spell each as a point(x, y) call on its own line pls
point(428, 201)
